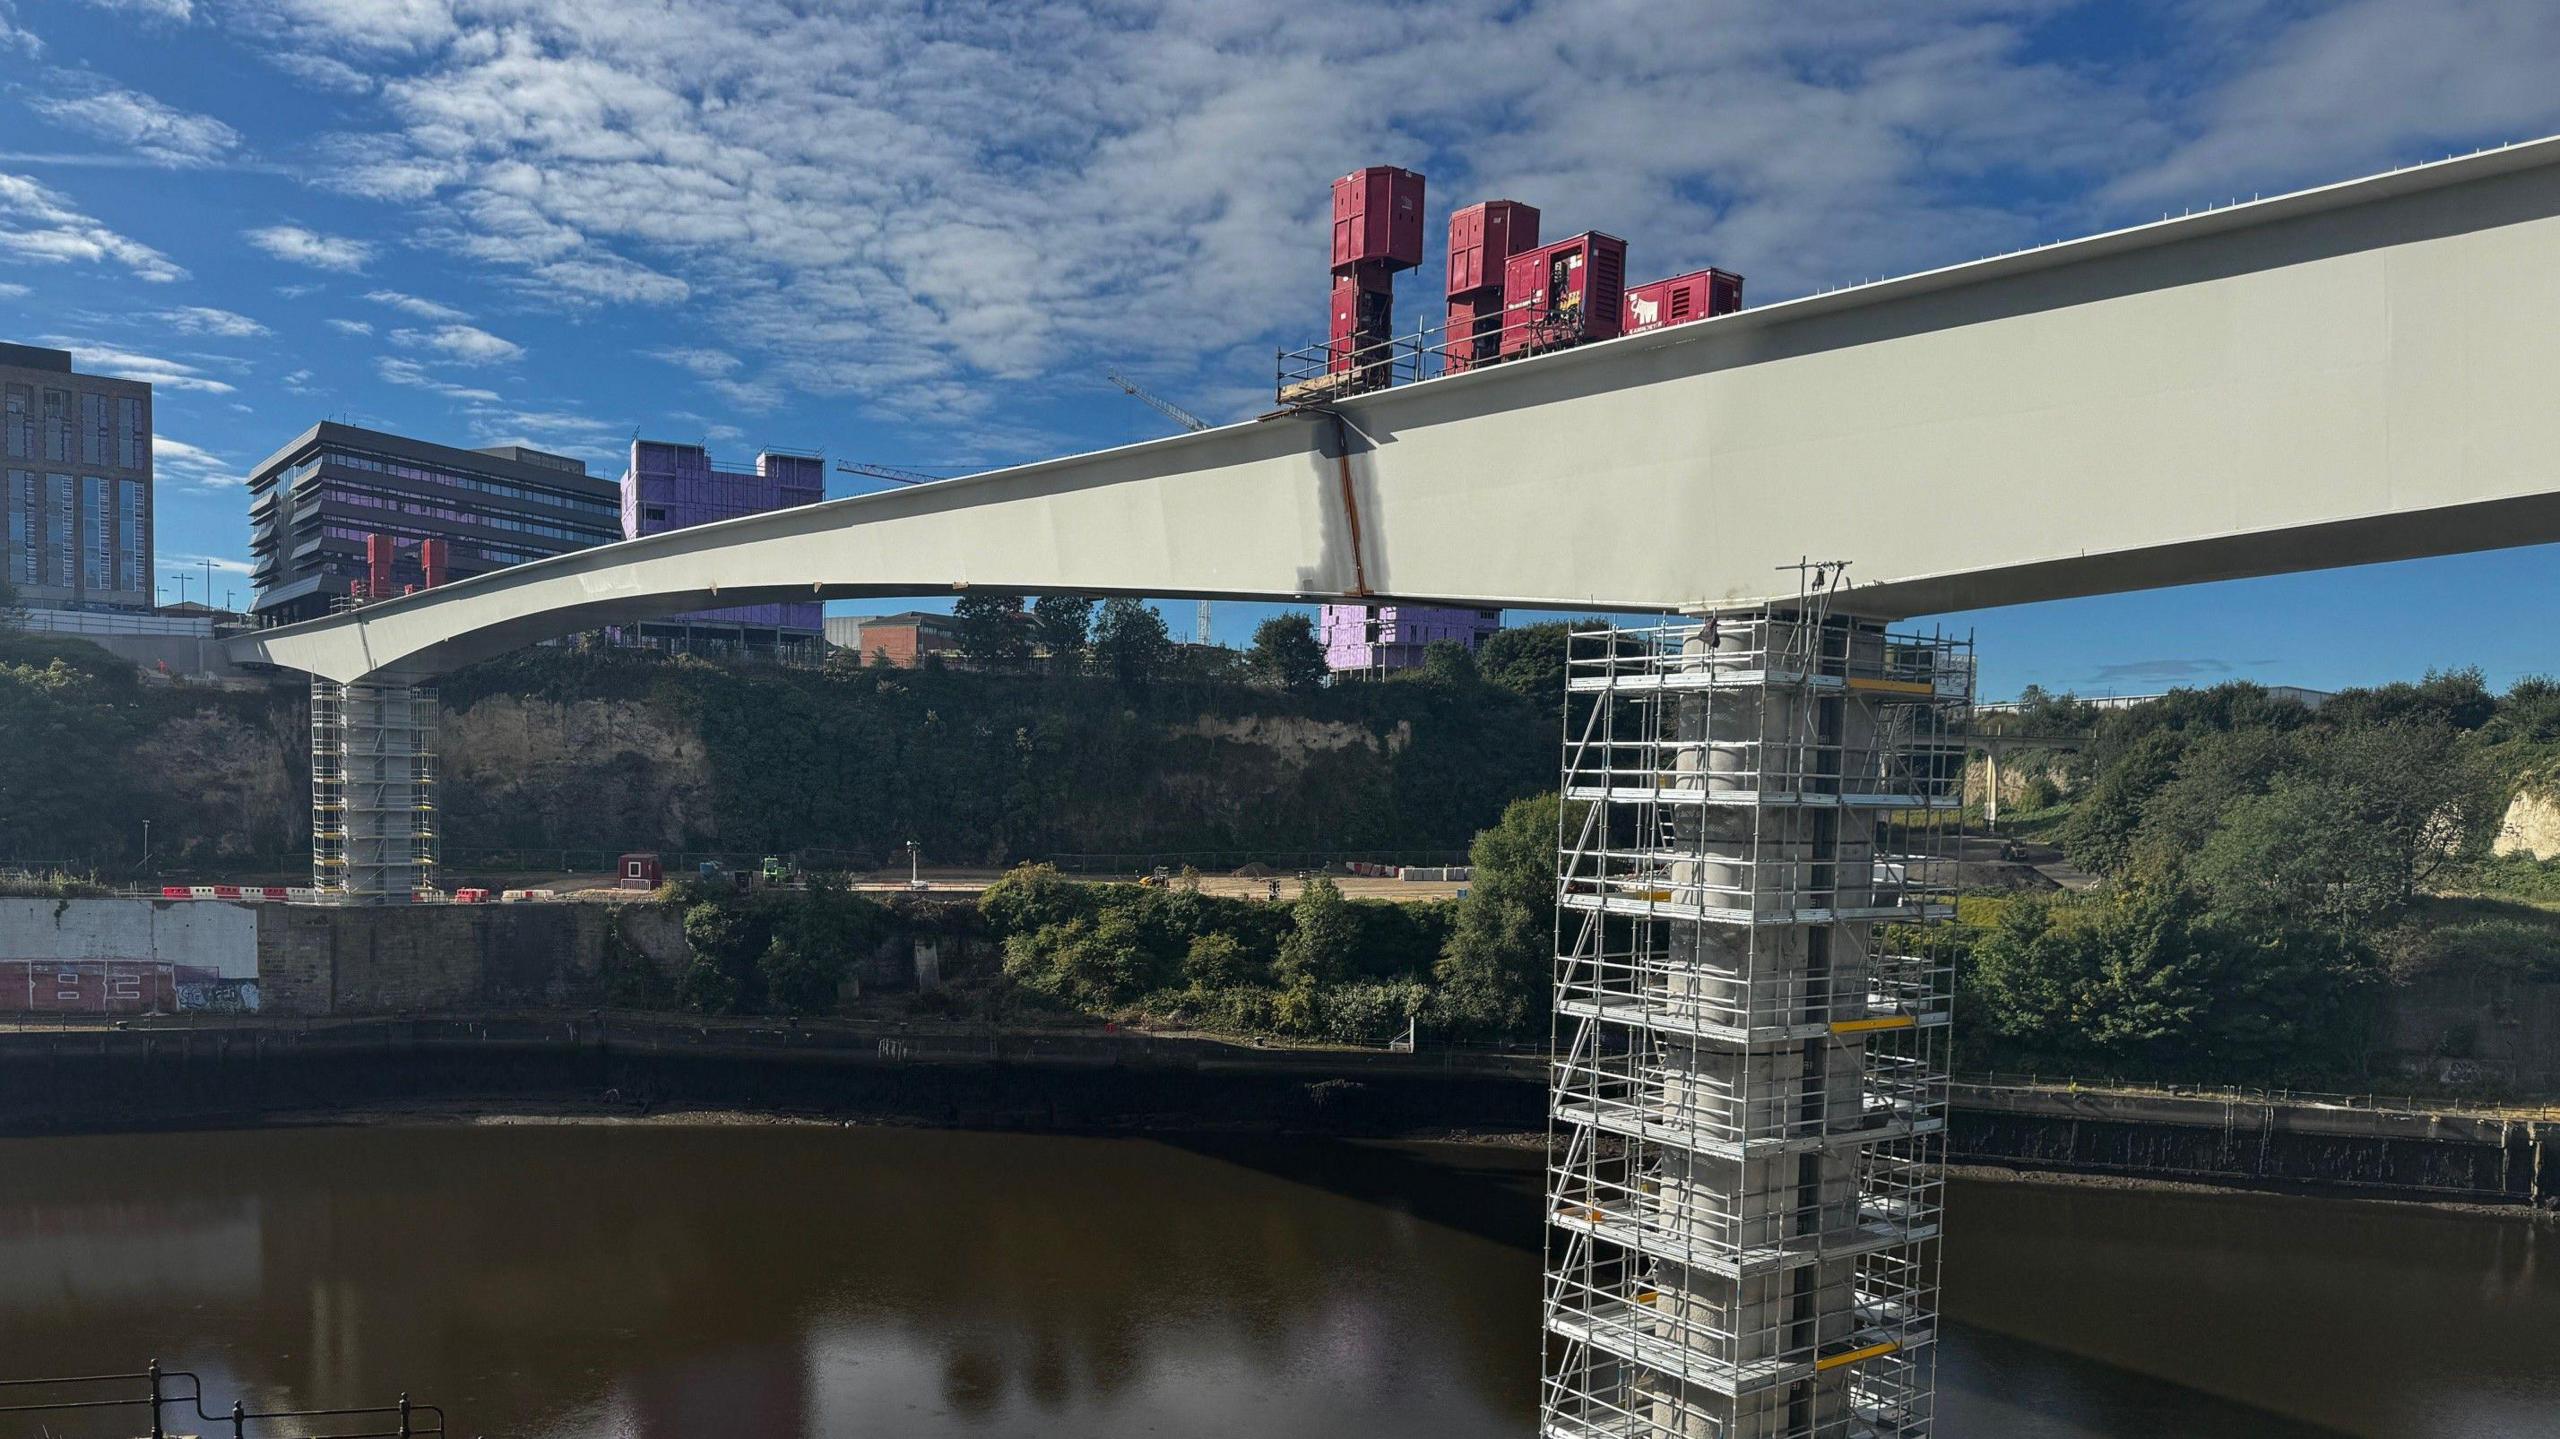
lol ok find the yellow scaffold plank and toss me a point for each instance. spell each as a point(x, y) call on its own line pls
point(1862, 1026)
point(1854, 1355)
point(1894, 687)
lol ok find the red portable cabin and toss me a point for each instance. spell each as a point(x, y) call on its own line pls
point(641, 871)
point(377, 566)
point(1567, 293)
point(1377, 230)
point(1377, 219)
point(1682, 298)
point(1482, 239)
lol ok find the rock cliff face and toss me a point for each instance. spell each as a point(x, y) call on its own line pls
point(595, 772)
point(2531, 826)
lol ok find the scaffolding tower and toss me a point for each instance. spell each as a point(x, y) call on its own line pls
point(374, 837)
point(1750, 1078)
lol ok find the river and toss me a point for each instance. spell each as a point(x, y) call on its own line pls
point(581, 1281)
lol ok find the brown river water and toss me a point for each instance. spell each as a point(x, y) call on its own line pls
point(562, 1282)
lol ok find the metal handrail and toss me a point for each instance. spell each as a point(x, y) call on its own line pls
point(412, 1420)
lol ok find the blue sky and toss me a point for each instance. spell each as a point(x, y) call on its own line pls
point(920, 233)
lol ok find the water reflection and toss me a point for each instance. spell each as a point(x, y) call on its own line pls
point(568, 1282)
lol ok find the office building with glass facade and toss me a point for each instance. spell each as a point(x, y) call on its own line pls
point(313, 504)
point(75, 484)
point(672, 487)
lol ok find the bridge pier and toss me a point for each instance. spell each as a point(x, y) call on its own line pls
point(374, 838)
point(1750, 1079)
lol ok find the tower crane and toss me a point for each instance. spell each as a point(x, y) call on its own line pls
point(1160, 405)
point(890, 473)
point(1191, 422)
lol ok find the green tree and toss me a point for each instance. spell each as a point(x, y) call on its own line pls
point(1497, 965)
point(2348, 844)
point(1447, 662)
point(1528, 660)
point(1286, 653)
point(992, 631)
point(1218, 961)
point(1031, 897)
point(1062, 624)
point(1130, 641)
point(1324, 937)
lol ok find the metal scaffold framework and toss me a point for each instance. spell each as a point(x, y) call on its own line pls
point(374, 836)
point(1750, 1071)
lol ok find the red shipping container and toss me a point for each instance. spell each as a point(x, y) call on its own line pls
point(1567, 293)
point(1697, 295)
point(377, 565)
point(1482, 239)
point(1363, 322)
point(1377, 219)
point(431, 561)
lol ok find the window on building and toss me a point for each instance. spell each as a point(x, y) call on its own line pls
point(96, 442)
point(19, 423)
point(133, 437)
point(131, 500)
point(57, 424)
point(98, 530)
point(57, 530)
point(22, 528)
point(656, 512)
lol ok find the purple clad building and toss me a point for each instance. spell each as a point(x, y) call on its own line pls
point(674, 487)
point(1374, 639)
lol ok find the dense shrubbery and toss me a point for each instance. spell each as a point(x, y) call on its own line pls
point(2269, 870)
point(774, 951)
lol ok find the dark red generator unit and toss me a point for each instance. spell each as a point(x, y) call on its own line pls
point(1377, 219)
point(1377, 231)
point(1482, 239)
point(378, 561)
point(1567, 293)
point(1698, 295)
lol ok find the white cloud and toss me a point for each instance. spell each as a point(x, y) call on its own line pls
point(40, 225)
point(16, 37)
point(321, 71)
point(206, 320)
point(410, 373)
point(12, 291)
point(424, 309)
point(193, 466)
point(708, 363)
point(914, 201)
point(142, 125)
point(351, 327)
point(310, 247)
point(462, 344)
point(160, 9)
point(131, 365)
point(614, 279)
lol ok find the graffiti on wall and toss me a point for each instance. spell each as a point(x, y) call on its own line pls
point(120, 986)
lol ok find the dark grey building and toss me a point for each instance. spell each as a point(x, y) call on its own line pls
point(75, 483)
point(313, 503)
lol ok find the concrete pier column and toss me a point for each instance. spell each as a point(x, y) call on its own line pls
point(374, 837)
point(1749, 1100)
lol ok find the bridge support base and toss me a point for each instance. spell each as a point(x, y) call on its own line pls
point(1750, 1076)
point(373, 772)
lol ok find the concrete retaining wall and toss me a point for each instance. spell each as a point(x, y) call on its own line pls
point(215, 936)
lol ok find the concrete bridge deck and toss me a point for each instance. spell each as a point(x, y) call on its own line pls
point(2345, 375)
